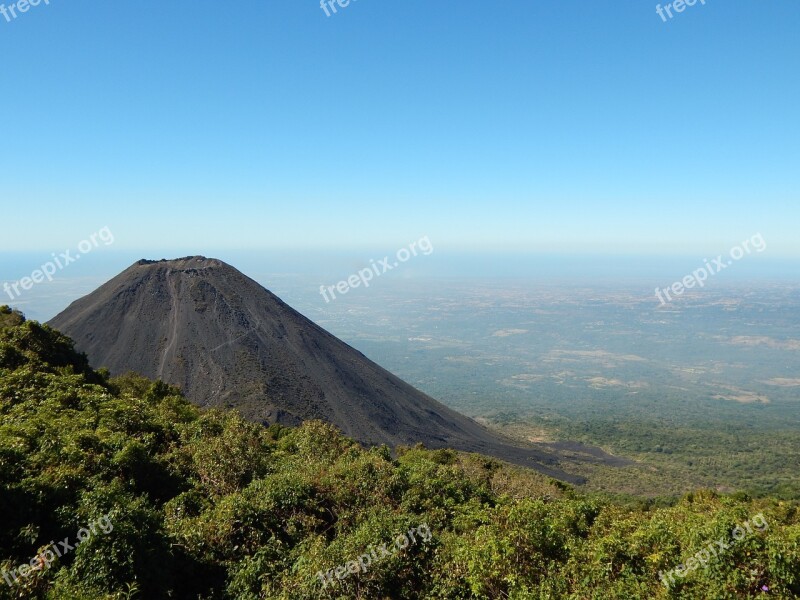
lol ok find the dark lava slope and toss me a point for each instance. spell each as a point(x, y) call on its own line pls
point(203, 326)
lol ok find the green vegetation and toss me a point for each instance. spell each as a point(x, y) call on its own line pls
point(673, 458)
point(206, 505)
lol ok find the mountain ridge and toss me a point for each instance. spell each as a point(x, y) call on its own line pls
point(226, 341)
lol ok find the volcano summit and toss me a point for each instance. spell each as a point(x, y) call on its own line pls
point(226, 341)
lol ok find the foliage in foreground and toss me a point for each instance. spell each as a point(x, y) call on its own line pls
point(206, 505)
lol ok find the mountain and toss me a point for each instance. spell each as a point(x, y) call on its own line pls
point(226, 341)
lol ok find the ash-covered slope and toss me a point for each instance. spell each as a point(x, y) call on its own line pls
point(203, 326)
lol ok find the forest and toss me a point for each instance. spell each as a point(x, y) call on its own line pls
point(118, 487)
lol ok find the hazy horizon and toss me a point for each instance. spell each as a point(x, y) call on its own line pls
point(293, 275)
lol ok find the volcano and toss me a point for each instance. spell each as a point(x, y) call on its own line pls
point(226, 341)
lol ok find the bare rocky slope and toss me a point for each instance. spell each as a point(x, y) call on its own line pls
point(226, 341)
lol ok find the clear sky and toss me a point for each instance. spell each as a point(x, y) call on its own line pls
point(564, 126)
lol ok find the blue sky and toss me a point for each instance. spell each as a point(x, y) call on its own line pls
point(568, 126)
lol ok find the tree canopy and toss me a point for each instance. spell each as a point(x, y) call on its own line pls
point(207, 505)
